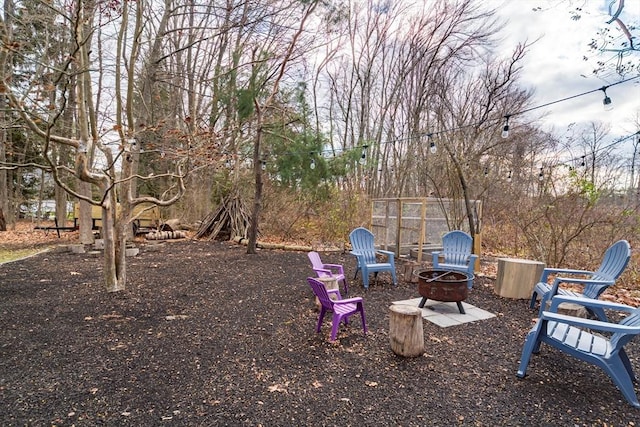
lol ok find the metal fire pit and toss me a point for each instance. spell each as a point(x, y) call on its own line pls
point(443, 285)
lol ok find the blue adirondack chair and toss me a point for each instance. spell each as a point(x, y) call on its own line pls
point(574, 336)
point(456, 252)
point(362, 247)
point(341, 308)
point(594, 283)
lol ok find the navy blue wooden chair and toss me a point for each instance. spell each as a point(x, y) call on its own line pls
point(456, 254)
point(593, 283)
point(362, 247)
point(583, 339)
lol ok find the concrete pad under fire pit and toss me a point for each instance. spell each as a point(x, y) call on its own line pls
point(446, 314)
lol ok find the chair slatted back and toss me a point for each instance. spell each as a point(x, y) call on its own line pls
point(321, 292)
point(456, 247)
point(362, 242)
point(317, 264)
point(614, 262)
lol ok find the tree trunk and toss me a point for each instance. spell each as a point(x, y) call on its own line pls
point(257, 200)
point(84, 209)
point(5, 72)
point(113, 234)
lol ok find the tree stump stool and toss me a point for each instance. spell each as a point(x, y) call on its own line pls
point(408, 270)
point(517, 277)
point(405, 330)
point(329, 283)
point(570, 309)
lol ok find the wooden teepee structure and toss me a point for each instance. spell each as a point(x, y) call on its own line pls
point(228, 221)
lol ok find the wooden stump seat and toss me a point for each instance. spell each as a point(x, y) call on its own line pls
point(405, 330)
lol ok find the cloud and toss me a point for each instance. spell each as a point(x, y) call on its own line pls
point(555, 66)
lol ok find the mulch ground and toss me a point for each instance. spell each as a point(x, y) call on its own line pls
point(207, 335)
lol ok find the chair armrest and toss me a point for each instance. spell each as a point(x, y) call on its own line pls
point(337, 267)
point(589, 303)
point(577, 281)
point(390, 254)
point(348, 300)
point(549, 270)
point(597, 325)
point(335, 291)
point(322, 270)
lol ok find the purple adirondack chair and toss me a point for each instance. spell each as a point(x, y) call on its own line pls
point(328, 270)
point(341, 308)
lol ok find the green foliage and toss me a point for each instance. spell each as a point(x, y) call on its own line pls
point(584, 187)
point(245, 103)
point(299, 157)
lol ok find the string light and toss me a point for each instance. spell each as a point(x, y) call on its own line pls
point(363, 157)
point(541, 174)
point(606, 102)
point(537, 107)
point(505, 129)
point(509, 177)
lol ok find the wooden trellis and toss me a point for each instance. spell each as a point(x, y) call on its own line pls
point(401, 224)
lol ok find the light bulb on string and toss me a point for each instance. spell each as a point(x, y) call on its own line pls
point(486, 171)
point(509, 177)
point(313, 164)
point(363, 156)
point(541, 174)
point(505, 129)
point(583, 164)
point(263, 165)
point(432, 145)
point(606, 102)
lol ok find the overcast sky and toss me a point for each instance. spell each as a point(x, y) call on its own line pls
point(555, 67)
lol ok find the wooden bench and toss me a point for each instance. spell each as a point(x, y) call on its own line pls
point(57, 228)
point(148, 217)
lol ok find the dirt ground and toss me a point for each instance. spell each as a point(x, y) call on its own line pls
point(206, 335)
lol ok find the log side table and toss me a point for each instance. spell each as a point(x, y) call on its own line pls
point(517, 277)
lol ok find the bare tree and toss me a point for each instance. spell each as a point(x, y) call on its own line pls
point(111, 178)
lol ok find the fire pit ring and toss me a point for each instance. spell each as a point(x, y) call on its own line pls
point(443, 285)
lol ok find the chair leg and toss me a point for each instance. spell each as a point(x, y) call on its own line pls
point(335, 324)
point(534, 298)
point(320, 319)
point(599, 313)
point(618, 373)
point(530, 345)
point(365, 279)
point(362, 317)
point(393, 276)
point(543, 302)
point(345, 286)
point(627, 364)
point(470, 271)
